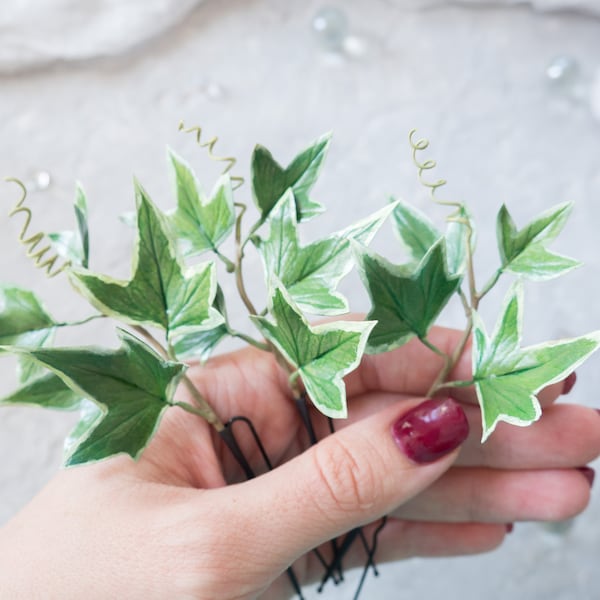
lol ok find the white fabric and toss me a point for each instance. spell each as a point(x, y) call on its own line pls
point(34, 33)
point(591, 7)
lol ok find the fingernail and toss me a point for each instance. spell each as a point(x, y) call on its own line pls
point(588, 473)
point(569, 383)
point(510, 527)
point(431, 430)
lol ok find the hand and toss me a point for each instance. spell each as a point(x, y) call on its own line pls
point(167, 527)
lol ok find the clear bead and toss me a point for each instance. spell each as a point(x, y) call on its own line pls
point(42, 180)
point(330, 26)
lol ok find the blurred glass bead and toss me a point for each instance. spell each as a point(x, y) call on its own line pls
point(330, 26)
point(42, 180)
point(563, 71)
point(214, 91)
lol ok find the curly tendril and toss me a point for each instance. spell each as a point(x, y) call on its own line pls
point(39, 255)
point(209, 145)
point(420, 146)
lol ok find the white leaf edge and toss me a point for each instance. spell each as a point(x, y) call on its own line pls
point(362, 327)
point(517, 290)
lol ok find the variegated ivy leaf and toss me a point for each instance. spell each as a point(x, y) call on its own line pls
point(162, 291)
point(200, 223)
point(46, 391)
point(311, 273)
point(90, 415)
point(524, 251)
point(508, 377)
point(75, 245)
point(132, 386)
point(406, 299)
point(322, 354)
point(200, 344)
point(270, 180)
point(24, 322)
point(418, 234)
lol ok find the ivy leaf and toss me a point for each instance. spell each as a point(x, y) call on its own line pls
point(23, 319)
point(200, 344)
point(162, 292)
point(131, 385)
point(415, 230)
point(418, 234)
point(524, 251)
point(47, 391)
point(311, 273)
point(24, 322)
point(508, 377)
point(406, 300)
point(200, 223)
point(90, 417)
point(75, 245)
point(322, 354)
point(270, 180)
point(459, 234)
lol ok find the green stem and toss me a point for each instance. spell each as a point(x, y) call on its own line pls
point(434, 348)
point(440, 381)
point(82, 322)
point(490, 284)
point(229, 264)
point(250, 340)
point(202, 407)
point(239, 277)
point(151, 340)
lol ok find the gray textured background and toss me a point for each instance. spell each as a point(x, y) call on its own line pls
point(471, 78)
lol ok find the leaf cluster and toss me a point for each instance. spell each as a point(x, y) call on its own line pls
point(172, 307)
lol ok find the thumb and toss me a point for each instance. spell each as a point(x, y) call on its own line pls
point(352, 477)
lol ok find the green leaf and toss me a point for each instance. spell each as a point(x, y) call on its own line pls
point(270, 180)
point(23, 319)
point(415, 230)
point(90, 416)
point(406, 300)
point(322, 354)
point(508, 377)
point(200, 223)
point(524, 252)
point(47, 391)
point(162, 292)
point(311, 273)
point(75, 245)
point(418, 234)
point(200, 344)
point(459, 234)
point(24, 322)
point(131, 385)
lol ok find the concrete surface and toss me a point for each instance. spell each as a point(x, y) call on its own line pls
point(472, 79)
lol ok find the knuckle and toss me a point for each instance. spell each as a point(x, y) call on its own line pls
point(347, 477)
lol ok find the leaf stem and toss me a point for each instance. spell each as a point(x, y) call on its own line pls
point(229, 264)
point(151, 340)
point(81, 322)
point(490, 284)
point(202, 408)
point(250, 340)
point(434, 348)
point(239, 277)
point(440, 381)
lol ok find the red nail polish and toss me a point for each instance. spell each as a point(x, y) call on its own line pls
point(569, 383)
point(510, 527)
point(588, 473)
point(431, 430)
